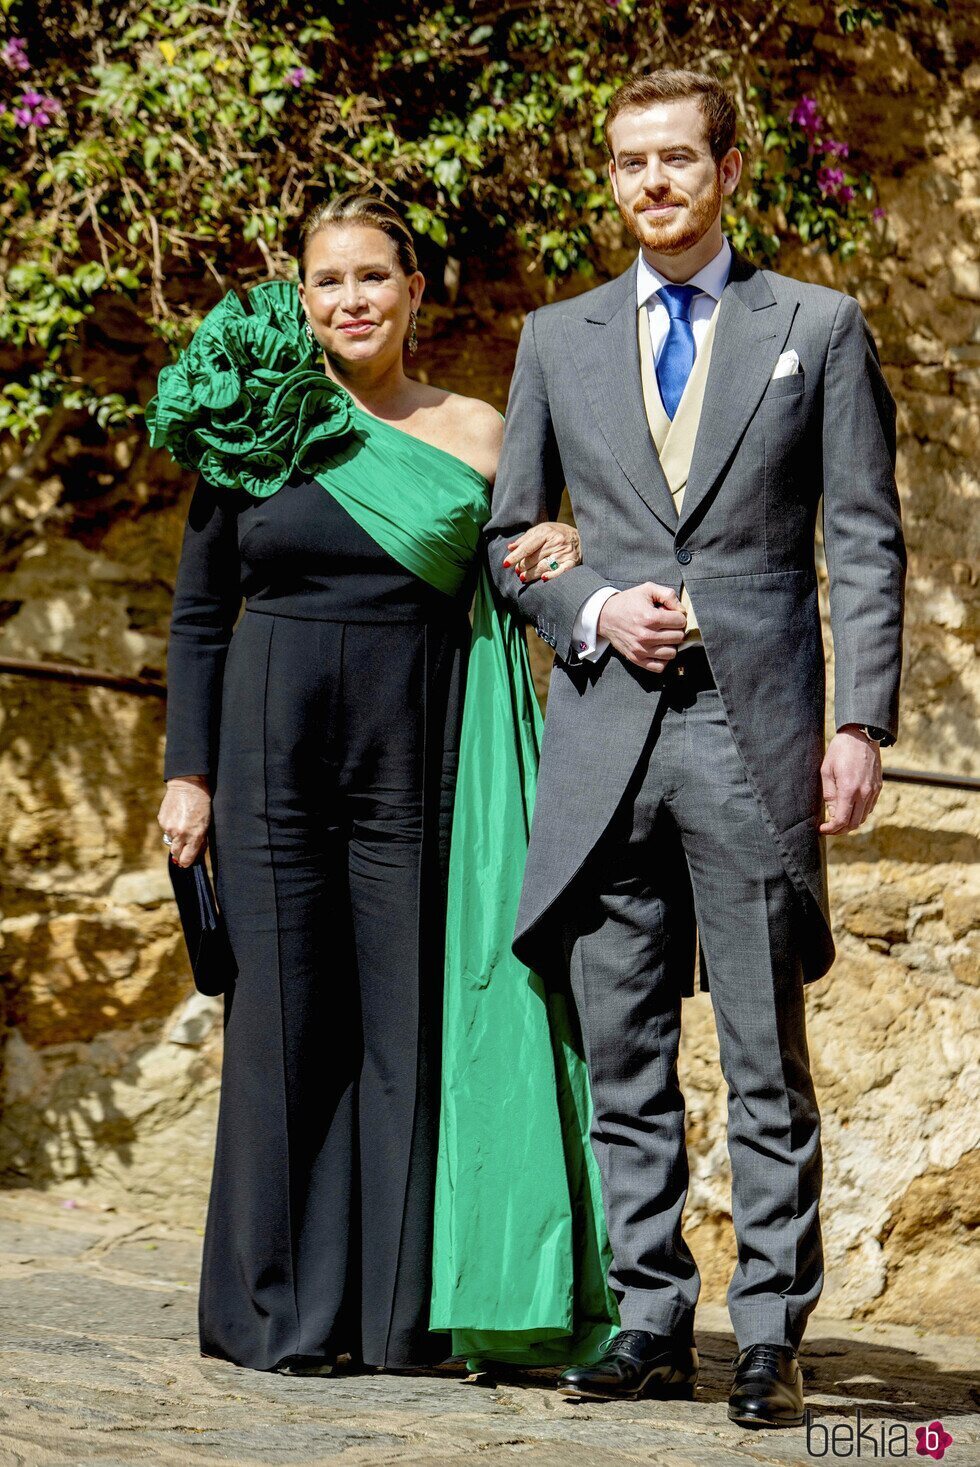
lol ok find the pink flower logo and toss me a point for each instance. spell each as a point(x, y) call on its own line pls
point(932, 1440)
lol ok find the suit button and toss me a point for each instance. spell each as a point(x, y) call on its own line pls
point(684, 557)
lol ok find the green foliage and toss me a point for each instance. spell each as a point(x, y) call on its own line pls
point(181, 144)
point(853, 18)
point(24, 405)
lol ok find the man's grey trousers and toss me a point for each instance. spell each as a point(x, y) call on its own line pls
point(690, 824)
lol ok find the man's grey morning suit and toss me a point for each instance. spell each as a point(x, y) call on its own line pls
point(666, 807)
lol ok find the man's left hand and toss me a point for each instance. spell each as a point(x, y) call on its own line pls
point(851, 775)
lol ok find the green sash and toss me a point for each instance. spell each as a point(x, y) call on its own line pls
point(519, 1249)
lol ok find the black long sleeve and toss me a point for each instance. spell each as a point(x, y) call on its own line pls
point(207, 600)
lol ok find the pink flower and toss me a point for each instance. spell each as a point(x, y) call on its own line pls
point(835, 149)
point(35, 108)
point(297, 76)
point(15, 54)
point(806, 115)
point(829, 180)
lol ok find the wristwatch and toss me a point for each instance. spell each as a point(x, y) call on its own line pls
point(876, 734)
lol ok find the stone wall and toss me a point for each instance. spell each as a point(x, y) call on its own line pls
point(111, 1081)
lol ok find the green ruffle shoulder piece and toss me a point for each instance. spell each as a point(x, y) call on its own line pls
point(246, 403)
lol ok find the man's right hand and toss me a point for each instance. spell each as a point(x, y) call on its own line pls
point(646, 625)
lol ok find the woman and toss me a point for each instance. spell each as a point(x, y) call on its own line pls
point(344, 501)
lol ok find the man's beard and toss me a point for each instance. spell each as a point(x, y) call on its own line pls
point(674, 236)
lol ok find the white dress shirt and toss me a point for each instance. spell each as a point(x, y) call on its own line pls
point(710, 281)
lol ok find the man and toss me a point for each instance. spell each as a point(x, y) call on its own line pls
point(699, 411)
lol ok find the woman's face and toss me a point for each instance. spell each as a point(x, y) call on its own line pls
point(356, 296)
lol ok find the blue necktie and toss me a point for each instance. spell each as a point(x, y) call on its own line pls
point(677, 355)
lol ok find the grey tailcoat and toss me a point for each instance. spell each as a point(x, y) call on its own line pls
point(768, 453)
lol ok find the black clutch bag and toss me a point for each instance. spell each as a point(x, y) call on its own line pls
point(208, 947)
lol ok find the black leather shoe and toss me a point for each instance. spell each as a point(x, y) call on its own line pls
point(768, 1387)
point(636, 1363)
point(304, 1365)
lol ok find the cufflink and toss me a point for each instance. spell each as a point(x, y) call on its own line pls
point(583, 646)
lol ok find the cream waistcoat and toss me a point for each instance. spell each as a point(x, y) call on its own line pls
point(675, 440)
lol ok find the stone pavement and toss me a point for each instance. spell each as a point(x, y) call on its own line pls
point(99, 1365)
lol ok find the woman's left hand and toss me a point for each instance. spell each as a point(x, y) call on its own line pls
point(544, 551)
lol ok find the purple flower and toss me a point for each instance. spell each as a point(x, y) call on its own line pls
point(15, 54)
point(297, 76)
point(878, 213)
point(835, 149)
point(829, 180)
point(846, 195)
point(806, 115)
point(35, 108)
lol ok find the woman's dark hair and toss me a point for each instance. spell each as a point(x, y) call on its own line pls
point(358, 208)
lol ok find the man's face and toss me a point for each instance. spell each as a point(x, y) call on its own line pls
point(668, 187)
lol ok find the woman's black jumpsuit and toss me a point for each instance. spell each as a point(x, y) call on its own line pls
point(327, 726)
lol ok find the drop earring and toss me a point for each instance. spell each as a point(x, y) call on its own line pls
point(314, 344)
point(413, 339)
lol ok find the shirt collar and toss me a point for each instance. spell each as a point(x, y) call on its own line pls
point(711, 279)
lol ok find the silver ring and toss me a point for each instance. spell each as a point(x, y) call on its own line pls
point(168, 840)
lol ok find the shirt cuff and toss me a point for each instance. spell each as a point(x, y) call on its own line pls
point(586, 642)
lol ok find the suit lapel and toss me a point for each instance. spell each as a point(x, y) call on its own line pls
point(605, 350)
point(751, 329)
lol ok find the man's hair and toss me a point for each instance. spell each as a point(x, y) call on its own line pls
point(668, 85)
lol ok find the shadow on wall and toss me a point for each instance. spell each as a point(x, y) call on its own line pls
point(92, 958)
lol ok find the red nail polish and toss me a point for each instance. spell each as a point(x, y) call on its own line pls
point(507, 564)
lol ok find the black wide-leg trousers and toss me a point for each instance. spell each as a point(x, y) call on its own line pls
point(319, 1225)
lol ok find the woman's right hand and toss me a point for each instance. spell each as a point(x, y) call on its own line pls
point(544, 551)
point(185, 815)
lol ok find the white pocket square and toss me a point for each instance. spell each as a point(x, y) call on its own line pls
point(787, 366)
